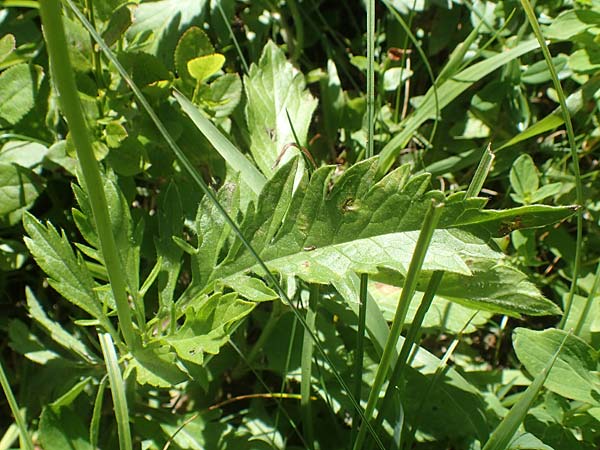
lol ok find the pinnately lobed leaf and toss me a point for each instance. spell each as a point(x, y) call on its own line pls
point(327, 229)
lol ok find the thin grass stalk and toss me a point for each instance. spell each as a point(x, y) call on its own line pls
point(306, 367)
point(408, 290)
point(14, 408)
point(97, 413)
point(573, 146)
point(233, 38)
point(409, 341)
point(359, 351)
point(370, 77)
point(64, 81)
point(588, 303)
point(481, 173)
point(188, 168)
point(117, 389)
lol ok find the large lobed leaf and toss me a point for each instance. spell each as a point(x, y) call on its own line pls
point(327, 229)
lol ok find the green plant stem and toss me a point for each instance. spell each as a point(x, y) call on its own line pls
point(188, 167)
point(408, 290)
point(409, 341)
point(370, 77)
point(71, 106)
point(574, 157)
point(359, 351)
point(117, 389)
point(306, 367)
point(14, 408)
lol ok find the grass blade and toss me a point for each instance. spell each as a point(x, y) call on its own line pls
point(360, 346)
point(117, 389)
point(505, 431)
point(483, 169)
point(97, 413)
point(236, 159)
point(573, 146)
point(14, 408)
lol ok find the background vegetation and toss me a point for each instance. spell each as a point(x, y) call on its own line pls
point(301, 224)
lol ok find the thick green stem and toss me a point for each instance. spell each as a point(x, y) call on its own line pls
point(408, 291)
point(64, 81)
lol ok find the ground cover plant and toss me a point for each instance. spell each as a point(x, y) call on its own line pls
point(302, 224)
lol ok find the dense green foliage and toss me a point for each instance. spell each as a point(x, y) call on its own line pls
point(197, 249)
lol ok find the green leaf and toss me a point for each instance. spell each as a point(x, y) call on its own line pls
point(223, 94)
point(156, 364)
point(524, 178)
point(158, 24)
point(538, 72)
point(226, 149)
point(193, 43)
point(170, 223)
point(120, 20)
point(528, 441)
point(19, 85)
point(574, 374)
point(208, 325)
point(251, 288)
point(23, 341)
point(324, 232)
point(63, 428)
point(571, 23)
point(55, 331)
point(25, 154)
point(13, 255)
point(68, 275)
point(19, 187)
point(7, 46)
point(274, 88)
point(204, 67)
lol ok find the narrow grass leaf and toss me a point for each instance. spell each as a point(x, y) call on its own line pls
point(226, 149)
point(117, 388)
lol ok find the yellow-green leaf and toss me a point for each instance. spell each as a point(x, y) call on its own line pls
point(203, 67)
